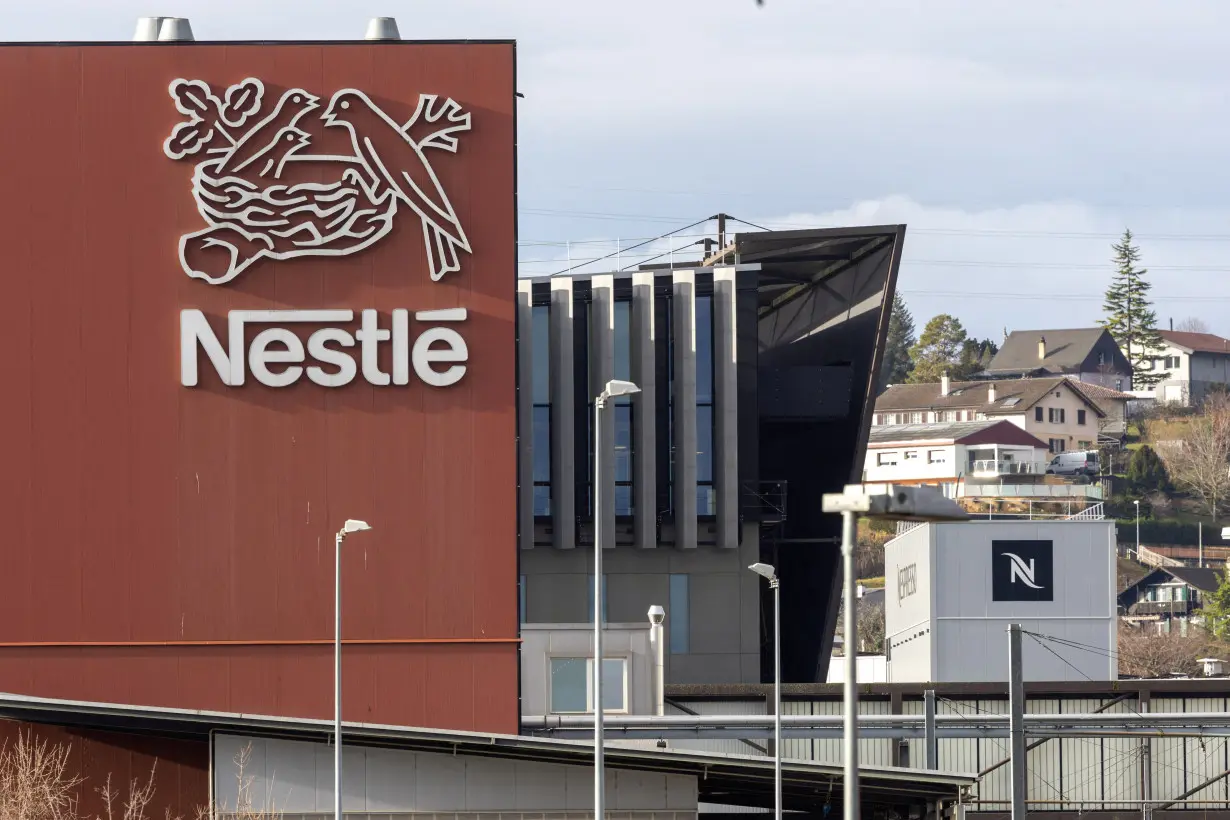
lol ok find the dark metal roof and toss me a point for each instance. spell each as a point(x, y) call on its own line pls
point(1066, 350)
point(1011, 396)
point(721, 778)
point(944, 431)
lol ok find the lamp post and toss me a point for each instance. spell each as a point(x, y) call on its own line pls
point(350, 526)
point(1137, 503)
point(884, 501)
point(613, 389)
point(770, 574)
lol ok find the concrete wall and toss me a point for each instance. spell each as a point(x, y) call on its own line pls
point(542, 642)
point(968, 627)
point(723, 614)
point(296, 778)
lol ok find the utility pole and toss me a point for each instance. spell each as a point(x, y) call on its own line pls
point(1016, 720)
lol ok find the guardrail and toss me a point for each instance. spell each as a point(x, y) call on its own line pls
point(993, 467)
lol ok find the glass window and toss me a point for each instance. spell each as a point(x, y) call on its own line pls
point(678, 625)
point(623, 342)
point(704, 349)
point(572, 682)
point(540, 443)
point(589, 601)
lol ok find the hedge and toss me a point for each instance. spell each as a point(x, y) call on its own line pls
point(1153, 531)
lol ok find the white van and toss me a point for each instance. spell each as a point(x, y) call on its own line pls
point(1077, 462)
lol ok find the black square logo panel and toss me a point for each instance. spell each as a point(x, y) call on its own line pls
point(1022, 570)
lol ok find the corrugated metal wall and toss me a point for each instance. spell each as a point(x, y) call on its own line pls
point(1076, 773)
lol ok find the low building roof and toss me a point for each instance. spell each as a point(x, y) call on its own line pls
point(1012, 396)
point(721, 778)
point(1066, 350)
point(988, 431)
point(1196, 342)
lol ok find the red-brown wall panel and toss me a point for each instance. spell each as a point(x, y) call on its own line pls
point(140, 511)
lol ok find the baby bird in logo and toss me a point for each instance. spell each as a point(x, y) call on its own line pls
point(398, 167)
point(289, 141)
point(266, 135)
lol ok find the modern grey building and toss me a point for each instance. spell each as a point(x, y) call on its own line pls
point(756, 372)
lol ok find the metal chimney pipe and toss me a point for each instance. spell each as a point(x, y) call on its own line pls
point(147, 29)
point(382, 28)
point(658, 679)
point(175, 30)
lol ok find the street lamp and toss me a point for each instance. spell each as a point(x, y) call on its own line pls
point(614, 388)
point(351, 525)
point(1137, 503)
point(883, 501)
point(767, 572)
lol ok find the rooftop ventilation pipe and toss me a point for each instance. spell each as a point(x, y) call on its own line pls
point(382, 28)
point(991, 393)
point(175, 30)
point(944, 384)
point(1041, 348)
point(147, 29)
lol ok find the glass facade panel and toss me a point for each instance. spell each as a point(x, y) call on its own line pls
point(540, 444)
point(678, 624)
point(706, 498)
point(623, 459)
point(613, 685)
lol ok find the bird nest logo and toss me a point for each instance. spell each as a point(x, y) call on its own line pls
point(272, 181)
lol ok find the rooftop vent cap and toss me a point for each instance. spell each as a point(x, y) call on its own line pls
point(175, 30)
point(147, 29)
point(382, 28)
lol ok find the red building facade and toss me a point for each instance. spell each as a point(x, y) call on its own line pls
point(251, 291)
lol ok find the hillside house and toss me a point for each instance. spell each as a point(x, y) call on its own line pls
point(943, 454)
point(1196, 363)
point(1056, 411)
point(1170, 597)
point(1083, 354)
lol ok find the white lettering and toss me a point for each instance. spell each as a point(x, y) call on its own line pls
point(401, 346)
point(326, 360)
point(260, 357)
point(345, 365)
point(454, 351)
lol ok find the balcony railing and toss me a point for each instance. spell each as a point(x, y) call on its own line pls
point(991, 467)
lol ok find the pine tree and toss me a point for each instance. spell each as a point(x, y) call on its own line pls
point(896, 364)
point(1130, 317)
point(938, 350)
point(1216, 610)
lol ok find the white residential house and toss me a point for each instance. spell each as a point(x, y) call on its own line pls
point(1194, 362)
point(945, 454)
point(1063, 413)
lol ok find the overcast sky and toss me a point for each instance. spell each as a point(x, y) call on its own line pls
point(1015, 139)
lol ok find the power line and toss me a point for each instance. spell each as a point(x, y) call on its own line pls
point(619, 250)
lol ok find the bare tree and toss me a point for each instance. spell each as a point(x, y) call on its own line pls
point(35, 783)
point(1192, 324)
point(1200, 463)
point(1144, 653)
point(871, 628)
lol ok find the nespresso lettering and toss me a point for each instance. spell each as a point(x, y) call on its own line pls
point(437, 356)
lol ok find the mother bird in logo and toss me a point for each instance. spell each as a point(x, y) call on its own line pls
point(392, 158)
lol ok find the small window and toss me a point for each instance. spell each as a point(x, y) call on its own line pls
point(911, 455)
point(1119, 384)
point(1037, 414)
point(1012, 402)
point(886, 459)
point(572, 685)
point(877, 419)
point(1056, 415)
point(937, 457)
point(1101, 357)
point(916, 418)
point(1080, 416)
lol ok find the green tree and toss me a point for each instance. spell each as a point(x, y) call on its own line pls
point(1130, 317)
point(938, 350)
point(976, 355)
point(1216, 609)
point(896, 364)
point(1146, 472)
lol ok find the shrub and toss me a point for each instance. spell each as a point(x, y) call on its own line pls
point(1146, 472)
